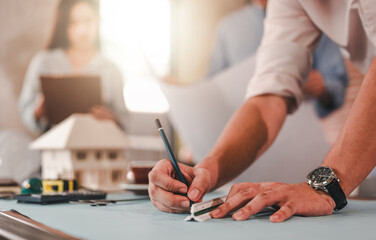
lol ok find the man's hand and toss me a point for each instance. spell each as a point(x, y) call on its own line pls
point(292, 199)
point(168, 194)
point(315, 85)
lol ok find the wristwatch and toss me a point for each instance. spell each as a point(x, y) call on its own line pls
point(324, 178)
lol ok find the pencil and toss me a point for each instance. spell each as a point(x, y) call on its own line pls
point(173, 160)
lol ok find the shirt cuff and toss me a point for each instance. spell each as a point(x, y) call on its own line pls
point(281, 69)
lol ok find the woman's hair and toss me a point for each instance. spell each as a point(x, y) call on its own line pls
point(59, 37)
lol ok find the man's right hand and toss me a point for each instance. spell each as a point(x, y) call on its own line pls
point(169, 194)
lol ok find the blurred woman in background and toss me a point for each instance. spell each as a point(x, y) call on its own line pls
point(74, 48)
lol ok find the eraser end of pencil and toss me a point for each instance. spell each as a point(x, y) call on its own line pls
point(158, 123)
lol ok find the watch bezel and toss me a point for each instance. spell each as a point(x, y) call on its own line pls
point(321, 185)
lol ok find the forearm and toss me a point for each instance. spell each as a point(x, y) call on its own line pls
point(353, 154)
point(248, 134)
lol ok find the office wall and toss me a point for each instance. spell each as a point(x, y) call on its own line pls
point(193, 28)
point(24, 28)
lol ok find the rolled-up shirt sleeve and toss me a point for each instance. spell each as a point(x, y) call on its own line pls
point(284, 58)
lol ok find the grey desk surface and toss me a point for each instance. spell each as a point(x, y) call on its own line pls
point(140, 220)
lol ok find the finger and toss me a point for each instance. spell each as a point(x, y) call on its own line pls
point(285, 212)
point(106, 112)
point(166, 182)
point(237, 187)
point(163, 208)
point(94, 109)
point(164, 165)
point(235, 202)
point(101, 114)
point(160, 175)
point(200, 184)
point(177, 209)
point(168, 199)
point(187, 171)
point(96, 113)
point(100, 109)
point(261, 201)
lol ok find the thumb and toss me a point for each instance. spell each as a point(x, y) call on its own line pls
point(200, 184)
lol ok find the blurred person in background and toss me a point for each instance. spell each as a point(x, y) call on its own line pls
point(74, 48)
point(239, 35)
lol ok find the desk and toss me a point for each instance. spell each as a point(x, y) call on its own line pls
point(141, 220)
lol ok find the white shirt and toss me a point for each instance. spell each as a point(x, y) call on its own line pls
point(56, 62)
point(292, 30)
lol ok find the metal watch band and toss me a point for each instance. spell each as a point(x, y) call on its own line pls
point(336, 192)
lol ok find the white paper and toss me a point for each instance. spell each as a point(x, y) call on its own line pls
point(199, 112)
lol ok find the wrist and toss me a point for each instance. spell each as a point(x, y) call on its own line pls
point(323, 194)
point(343, 182)
point(211, 166)
point(325, 179)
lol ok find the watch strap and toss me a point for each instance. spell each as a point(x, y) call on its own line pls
point(336, 192)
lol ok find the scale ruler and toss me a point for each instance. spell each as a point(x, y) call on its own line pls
point(201, 211)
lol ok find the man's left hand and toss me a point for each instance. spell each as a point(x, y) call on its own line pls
point(292, 199)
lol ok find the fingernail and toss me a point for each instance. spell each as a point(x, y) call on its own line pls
point(238, 215)
point(194, 194)
point(274, 218)
point(216, 212)
point(185, 204)
point(182, 190)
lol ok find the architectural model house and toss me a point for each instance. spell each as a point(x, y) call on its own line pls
point(86, 149)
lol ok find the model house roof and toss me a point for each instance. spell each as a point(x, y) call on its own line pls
point(82, 131)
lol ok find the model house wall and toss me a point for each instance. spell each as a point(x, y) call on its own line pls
point(57, 164)
point(86, 149)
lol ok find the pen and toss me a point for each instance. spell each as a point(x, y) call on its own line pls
point(171, 154)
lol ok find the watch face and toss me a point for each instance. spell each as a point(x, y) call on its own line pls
point(320, 175)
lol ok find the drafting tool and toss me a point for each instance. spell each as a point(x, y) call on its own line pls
point(201, 211)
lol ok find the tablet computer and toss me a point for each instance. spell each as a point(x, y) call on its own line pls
point(65, 95)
